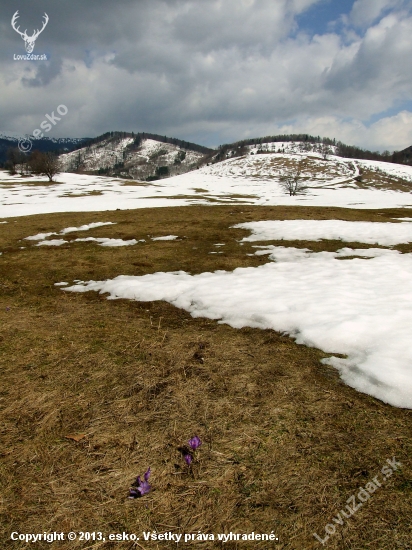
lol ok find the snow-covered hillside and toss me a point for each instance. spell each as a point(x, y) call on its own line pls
point(315, 171)
point(252, 179)
point(292, 147)
point(120, 155)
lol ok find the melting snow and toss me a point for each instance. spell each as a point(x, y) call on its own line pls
point(52, 242)
point(109, 242)
point(359, 307)
point(254, 179)
point(41, 236)
point(85, 227)
point(386, 234)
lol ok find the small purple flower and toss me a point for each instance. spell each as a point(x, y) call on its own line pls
point(188, 459)
point(143, 488)
point(8, 308)
point(134, 493)
point(195, 442)
point(140, 487)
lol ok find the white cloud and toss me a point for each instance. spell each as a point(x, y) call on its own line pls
point(392, 133)
point(214, 70)
point(365, 12)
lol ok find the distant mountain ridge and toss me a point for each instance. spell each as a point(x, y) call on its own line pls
point(152, 156)
point(58, 145)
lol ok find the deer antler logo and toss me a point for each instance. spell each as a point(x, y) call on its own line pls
point(29, 41)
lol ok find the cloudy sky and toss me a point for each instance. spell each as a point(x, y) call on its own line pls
point(212, 71)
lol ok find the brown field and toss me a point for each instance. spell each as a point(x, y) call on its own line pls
point(380, 180)
point(7, 184)
point(285, 442)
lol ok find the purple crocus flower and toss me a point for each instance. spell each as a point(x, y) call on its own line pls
point(188, 459)
point(195, 442)
point(134, 493)
point(140, 487)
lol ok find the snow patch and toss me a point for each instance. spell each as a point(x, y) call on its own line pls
point(386, 234)
point(41, 236)
point(53, 242)
point(85, 227)
point(108, 242)
point(361, 308)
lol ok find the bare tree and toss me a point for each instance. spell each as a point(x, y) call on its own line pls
point(23, 164)
point(325, 150)
point(293, 182)
point(46, 164)
point(76, 162)
point(13, 158)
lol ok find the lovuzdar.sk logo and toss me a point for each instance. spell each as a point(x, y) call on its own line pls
point(29, 41)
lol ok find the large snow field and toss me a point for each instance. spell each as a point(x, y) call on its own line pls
point(76, 193)
point(353, 302)
point(252, 180)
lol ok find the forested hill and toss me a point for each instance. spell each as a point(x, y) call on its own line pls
point(404, 156)
point(341, 149)
point(140, 136)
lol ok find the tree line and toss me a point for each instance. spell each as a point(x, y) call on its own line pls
point(37, 163)
point(342, 150)
point(139, 137)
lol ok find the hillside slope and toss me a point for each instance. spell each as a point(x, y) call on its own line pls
point(317, 169)
point(253, 179)
point(132, 158)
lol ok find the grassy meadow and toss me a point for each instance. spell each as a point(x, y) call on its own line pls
point(285, 442)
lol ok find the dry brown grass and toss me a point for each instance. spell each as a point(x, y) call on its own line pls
point(379, 179)
point(285, 442)
point(28, 182)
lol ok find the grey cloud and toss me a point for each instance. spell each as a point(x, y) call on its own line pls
point(197, 69)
